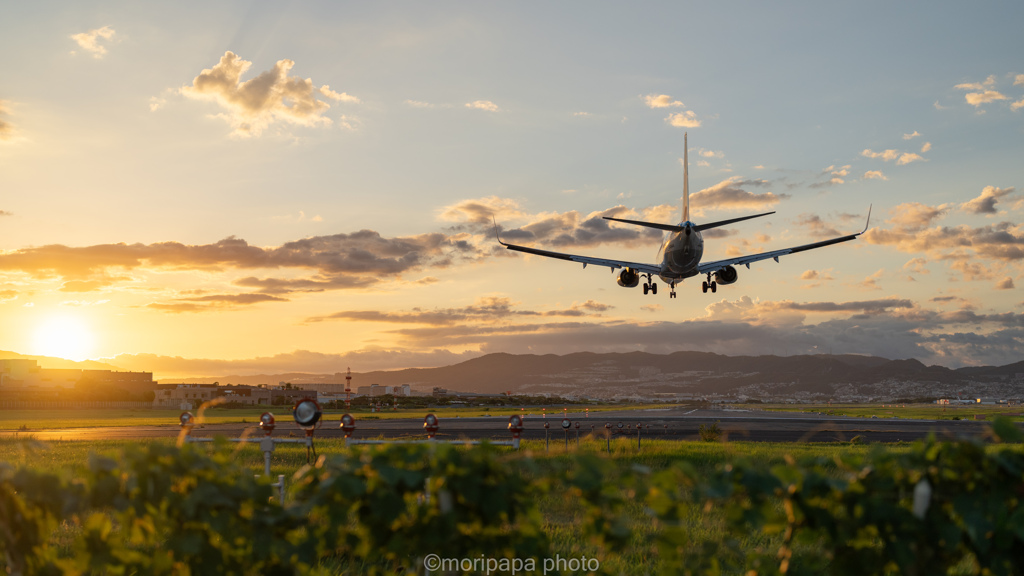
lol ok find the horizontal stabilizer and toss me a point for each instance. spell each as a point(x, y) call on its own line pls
point(669, 227)
point(700, 227)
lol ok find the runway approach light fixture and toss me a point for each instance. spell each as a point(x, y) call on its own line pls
point(430, 425)
point(515, 425)
point(267, 423)
point(187, 420)
point(566, 424)
point(348, 425)
point(307, 413)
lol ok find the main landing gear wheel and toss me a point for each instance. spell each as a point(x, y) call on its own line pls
point(704, 286)
point(647, 287)
point(654, 288)
point(672, 286)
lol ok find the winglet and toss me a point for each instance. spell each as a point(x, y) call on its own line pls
point(868, 223)
point(496, 231)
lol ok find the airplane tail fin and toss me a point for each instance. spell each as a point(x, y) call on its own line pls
point(686, 181)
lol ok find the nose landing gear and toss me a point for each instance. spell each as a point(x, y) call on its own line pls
point(672, 286)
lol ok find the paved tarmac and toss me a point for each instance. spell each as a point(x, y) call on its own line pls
point(668, 423)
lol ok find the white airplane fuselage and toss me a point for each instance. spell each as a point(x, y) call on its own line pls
point(681, 253)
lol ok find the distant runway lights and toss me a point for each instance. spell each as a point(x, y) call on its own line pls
point(348, 425)
point(430, 425)
point(187, 420)
point(267, 423)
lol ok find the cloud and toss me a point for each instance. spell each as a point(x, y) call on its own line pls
point(730, 195)
point(817, 226)
point(976, 99)
point(901, 158)
point(582, 114)
point(661, 101)
point(340, 261)
point(710, 153)
point(912, 135)
point(272, 96)
point(926, 147)
point(6, 213)
point(986, 202)
point(338, 96)
point(874, 175)
point(488, 309)
point(483, 105)
point(213, 302)
point(1017, 105)
point(1019, 80)
point(871, 282)
point(686, 119)
point(480, 210)
point(419, 104)
point(90, 41)
point(989, 82)
point(7, 131)
point(1005, 284)
point(913, 216)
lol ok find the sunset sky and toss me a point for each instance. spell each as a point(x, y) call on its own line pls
point(206, 188)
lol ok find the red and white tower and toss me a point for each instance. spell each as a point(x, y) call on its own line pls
point(348, 390)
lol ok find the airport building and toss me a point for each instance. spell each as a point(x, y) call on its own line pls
point(22, 375)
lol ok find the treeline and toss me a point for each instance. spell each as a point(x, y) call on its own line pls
point(158, 509)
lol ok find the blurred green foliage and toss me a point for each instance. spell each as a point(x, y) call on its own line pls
point(940, 507)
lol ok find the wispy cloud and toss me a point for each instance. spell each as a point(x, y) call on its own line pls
point(483, 105)
point(91, 41)
point(901, 158)
point(661, 101)
point(7, 131)
point(686, 119)
point(874, 175)
point(912, 135)
point(272, 96)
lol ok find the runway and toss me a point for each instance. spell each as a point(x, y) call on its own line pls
point(666, 424)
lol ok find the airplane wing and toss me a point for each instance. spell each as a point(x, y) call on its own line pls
point(774, 254)
point(613, 264)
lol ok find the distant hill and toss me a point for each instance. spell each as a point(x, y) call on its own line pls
point(822, 376)
point(59, 363)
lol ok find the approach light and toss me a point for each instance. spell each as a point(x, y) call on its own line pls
point(187, 420)
point(348, 424)
point(566, 423)
point(515, 424)
point(267, 422)
point(307, 413)
point(430, 425)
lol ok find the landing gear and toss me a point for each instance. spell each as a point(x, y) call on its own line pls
point(672, 286)
point(709, 283)
point(650, 286)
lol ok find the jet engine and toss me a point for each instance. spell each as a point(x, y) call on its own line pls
point(727, 275)
point(629, 278)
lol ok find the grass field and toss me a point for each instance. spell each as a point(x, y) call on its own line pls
point(915, 411)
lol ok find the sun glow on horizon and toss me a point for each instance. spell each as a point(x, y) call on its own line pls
point(65, 337)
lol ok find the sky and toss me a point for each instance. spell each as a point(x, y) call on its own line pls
point(254, 187)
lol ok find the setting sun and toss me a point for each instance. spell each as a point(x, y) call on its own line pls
point(65, 337)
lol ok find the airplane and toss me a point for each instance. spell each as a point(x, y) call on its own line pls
point(682, 249)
